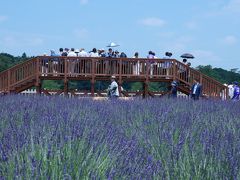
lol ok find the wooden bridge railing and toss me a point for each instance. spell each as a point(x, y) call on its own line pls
point(18, 74)
point(141, 69)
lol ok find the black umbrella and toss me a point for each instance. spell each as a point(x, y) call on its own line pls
point(187, 55)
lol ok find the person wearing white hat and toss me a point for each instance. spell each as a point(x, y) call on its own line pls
point(113, 88)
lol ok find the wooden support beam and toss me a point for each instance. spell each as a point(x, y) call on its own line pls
point(59, 92)
point(145, 89)
point(46, 92)
point(92, 87)
point(9, 81)
point(151, 94)
point(39, 88)
point(65, 87)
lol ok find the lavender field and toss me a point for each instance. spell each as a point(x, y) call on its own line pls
point(63, 138)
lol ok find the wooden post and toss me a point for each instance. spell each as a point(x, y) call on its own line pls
point(65, 81)
point(92, 87)
point(38, 82)
point(120, 87)
point(145, 89)
point(65, 87)
point(93, 76)
point(120, 77)
point(9, 81)
point(174, 70)
point(39, 88)
point(201, 78)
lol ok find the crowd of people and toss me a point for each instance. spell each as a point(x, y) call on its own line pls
point(74, 52)
point(196, 89)
point(136, 68)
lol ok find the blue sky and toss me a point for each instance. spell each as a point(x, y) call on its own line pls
point(209, 29)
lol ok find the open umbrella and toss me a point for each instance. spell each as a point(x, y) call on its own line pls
point(187, 55)
point(112, 44)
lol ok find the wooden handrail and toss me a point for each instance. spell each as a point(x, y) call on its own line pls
point(124, 68)
point(16, 75)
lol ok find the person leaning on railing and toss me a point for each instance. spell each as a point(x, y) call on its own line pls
point(71, 65)
point(136, 65)
point(167, 64)
point(54, 62)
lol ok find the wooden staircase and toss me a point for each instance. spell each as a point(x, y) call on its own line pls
point(30, 74)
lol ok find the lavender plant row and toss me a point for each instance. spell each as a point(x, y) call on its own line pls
point(61, 138)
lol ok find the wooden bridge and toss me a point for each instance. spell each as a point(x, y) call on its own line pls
point(33, 72)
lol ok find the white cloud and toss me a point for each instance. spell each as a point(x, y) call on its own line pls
point(205, 57)
point(84, 1)
point(233, 6)
point(81, 33)
point(3, 18)
point(229, 40)
point(152, 22)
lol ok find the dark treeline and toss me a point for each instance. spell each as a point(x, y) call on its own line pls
point(8, 60)
point(221, 75)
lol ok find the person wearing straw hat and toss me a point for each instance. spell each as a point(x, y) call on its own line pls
point(113, 88)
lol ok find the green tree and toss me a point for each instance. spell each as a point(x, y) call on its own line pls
point(220, 74)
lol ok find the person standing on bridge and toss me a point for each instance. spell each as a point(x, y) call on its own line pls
point(113, 91)
point(71, 62)
point(136, 65)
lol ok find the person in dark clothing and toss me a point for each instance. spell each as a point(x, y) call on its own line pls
point(196, 90)
point(236, 91)
point(123, 55)
point(173, 91)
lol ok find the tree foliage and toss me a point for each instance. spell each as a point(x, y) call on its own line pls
point(8, 60)
point(221, 75)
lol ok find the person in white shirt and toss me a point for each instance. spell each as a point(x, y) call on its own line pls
point(94, 53)
point(83, 53)
point(71, 62)
point(72, 53)
point(230, 90)
point(113, 91)
point(136, 65)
